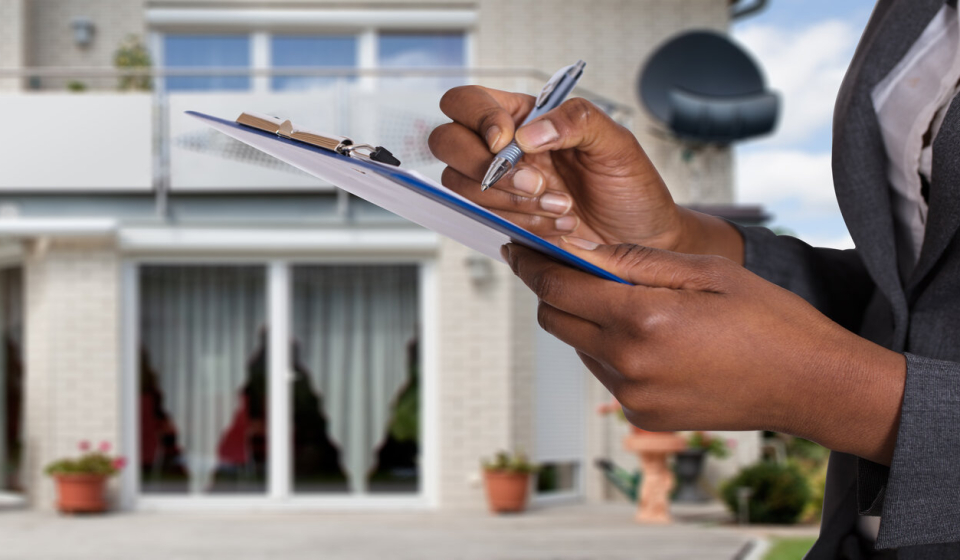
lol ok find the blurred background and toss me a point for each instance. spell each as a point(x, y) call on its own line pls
point(267, 352)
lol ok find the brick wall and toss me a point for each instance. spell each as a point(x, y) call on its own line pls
point(11, 39)
point(51, 43)
point(72, 354)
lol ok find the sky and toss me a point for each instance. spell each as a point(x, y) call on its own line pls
point(804, 47)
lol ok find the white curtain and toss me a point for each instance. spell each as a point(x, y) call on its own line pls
point(200, 326)
point(354, 326)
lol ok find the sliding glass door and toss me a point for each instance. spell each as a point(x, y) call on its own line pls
point(203, 379)
point(352, 390)
point(355, 399)
point(11, 379)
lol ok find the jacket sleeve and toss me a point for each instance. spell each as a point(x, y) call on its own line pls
point(834, 281)
point(923, 485)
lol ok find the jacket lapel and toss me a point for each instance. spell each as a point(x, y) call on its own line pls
point(944, 216)
point(859, 156)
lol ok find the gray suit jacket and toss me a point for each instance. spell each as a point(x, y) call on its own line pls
point(918, 496)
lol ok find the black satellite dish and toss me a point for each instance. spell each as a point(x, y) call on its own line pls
point(705, 88)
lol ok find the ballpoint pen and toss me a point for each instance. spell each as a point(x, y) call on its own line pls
point(552, 95)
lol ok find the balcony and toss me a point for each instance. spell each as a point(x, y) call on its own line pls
point(111, 142)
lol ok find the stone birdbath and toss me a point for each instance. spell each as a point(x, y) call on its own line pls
point(653, 450)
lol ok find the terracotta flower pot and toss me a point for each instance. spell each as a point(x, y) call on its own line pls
point(81, 492)
point(506, 491)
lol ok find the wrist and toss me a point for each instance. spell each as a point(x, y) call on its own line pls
point(702, 234)
point(855, 399)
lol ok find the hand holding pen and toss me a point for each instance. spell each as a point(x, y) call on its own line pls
point(581, 172)
point(552, 95)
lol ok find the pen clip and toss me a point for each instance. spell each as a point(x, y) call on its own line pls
point(551, 86)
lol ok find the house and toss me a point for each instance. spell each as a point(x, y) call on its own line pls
point(247, 336)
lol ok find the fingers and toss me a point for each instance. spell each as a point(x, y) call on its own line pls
point(579, 124)
point(490, 113)
point(461, 149)
point(655, 267)
point(570, 329)
point(568, 290)
point(545, 215)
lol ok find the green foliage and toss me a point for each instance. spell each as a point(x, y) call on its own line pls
point(133, 54)
point(779, 492)
point(76, 86)
point(789, 549)
point(710, 444)
point(515, 463)
point(406, 413)
point(90, 463)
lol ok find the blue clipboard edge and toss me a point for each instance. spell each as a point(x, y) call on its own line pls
point(516, 234)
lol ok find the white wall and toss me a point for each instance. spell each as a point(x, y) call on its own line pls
point(89, 142)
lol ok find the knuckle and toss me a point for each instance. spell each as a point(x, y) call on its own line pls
point(578, 110)
point(452, 97)
point(543, 316)
point(489, 117)
point(436, 138)
point(545, 285)
point(517, 200)
point(628, 254)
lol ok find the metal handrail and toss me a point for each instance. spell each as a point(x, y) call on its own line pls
point(104, 72)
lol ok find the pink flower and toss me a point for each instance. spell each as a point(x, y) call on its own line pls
point(731, 443)
point(104, 447)
point(119, 463)
point(84, 445)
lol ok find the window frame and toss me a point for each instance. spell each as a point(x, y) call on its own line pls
point(280, 495)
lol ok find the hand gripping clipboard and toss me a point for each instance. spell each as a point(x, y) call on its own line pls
point(404, 193)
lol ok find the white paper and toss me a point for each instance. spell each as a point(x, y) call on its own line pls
point(380, 190)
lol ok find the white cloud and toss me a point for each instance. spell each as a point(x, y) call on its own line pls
point(806, 65)
point(775, 176)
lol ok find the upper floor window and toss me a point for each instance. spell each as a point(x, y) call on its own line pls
point(421, 49)
point(207, 51)
point(337, 51)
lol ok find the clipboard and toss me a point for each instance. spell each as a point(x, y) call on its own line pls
point(405, 193)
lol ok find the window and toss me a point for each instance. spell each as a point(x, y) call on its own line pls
point(334, 51)
point(557, 478)
point(206, 51)
point(409, 50)
point(422, 50)
point(11, 379)
point(356, 390)
point(203, 379)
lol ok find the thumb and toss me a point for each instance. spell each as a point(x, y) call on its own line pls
point(579, 124)
point(655, 268)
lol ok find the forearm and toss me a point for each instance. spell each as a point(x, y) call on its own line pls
point(702, 234)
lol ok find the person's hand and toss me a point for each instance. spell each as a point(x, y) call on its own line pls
point(701, 343)
point(581, 172)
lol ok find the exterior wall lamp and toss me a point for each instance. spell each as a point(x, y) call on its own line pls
point(479, 268)
point(83, 30)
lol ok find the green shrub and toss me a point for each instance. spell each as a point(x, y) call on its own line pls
point(779, 493)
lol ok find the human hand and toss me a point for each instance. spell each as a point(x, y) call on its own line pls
point(700, 343)
point(581, 172)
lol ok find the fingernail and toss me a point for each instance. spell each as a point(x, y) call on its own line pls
point(555, 203)
point(493, 134)
point(567, 223)
point(528, 181)
point(537, 134)
point(582, 243)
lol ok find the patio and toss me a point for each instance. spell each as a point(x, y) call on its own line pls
point(565, 532)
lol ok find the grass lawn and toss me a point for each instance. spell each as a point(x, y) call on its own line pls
point(789, 549)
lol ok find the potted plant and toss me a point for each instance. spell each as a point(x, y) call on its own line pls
point(81, 481)
point(507, 480)
point(689, 465)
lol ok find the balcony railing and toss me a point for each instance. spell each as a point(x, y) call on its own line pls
point(102, 139)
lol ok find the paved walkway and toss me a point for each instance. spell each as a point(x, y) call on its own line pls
point(558, 533)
